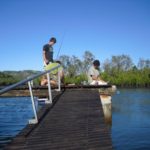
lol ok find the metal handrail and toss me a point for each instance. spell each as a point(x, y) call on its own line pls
point(29, 80)
point(26, 80)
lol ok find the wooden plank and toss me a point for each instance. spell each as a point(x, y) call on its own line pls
point(74, 122)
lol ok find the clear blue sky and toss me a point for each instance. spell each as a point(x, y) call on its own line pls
point(105, 27)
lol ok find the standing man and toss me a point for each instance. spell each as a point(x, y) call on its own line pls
point(48, 51)
point(94, 74)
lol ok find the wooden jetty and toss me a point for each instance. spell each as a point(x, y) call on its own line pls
point(74, 121)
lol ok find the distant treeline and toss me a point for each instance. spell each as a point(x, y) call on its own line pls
point(11, 77)
point(6, 79)
point(119, 70)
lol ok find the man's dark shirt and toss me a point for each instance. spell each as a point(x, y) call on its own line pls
point(48, 52)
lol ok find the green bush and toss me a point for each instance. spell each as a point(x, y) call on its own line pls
point(76, 79)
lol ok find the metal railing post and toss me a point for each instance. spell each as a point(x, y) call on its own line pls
point(35, 120)
point(49, 89)
point(59, 82)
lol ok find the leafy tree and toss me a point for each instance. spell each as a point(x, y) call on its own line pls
point(143, 63)
point(65, 60)
point(88, 58)
point(121, 63)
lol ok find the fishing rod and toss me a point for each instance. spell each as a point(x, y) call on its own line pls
point(61, 45)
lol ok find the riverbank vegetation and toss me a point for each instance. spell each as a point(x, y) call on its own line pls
point(119, 70)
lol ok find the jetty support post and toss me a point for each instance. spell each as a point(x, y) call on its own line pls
point(107, 108)
point(35, 120)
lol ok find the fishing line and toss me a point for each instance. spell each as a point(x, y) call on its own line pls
point(61, 45)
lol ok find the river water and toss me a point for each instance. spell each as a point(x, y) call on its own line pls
point(130, 119)
point(14, 115)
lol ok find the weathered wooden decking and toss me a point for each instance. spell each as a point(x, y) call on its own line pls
point(75, 121)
